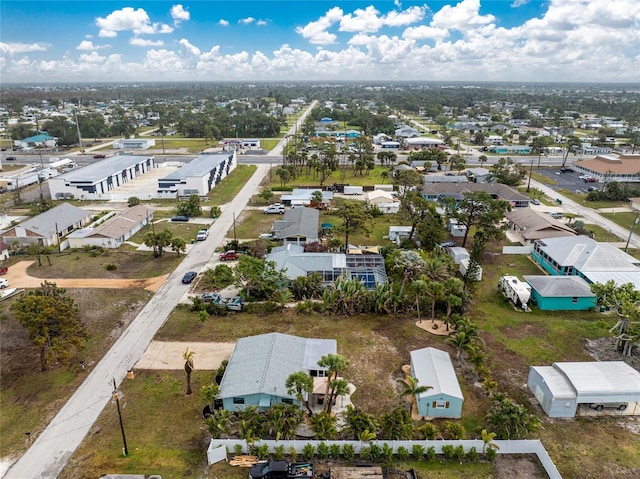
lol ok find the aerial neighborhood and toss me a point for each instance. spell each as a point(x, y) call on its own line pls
point(300, 279)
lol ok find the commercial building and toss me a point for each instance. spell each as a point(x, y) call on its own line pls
point(198, 177)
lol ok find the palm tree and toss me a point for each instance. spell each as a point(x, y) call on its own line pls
point(188, 367)
point(324, 426)
point(462, 342)
point(334, 364)
point(339, 387)
point(420, 287)
point(298, 383)
point(412, 390)
point(487, 439)
point(435, 291)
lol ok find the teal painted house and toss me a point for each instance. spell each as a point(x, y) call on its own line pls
point(433, 367)
point(259, 367)
point(561, 293)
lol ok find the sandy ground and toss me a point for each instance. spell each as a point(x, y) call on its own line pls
point(18, 278)
point(437, 327)
point(168, 355)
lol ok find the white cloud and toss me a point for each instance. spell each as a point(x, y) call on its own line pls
point(261, 23)
point(247, 21)
point(316, 32)
point(87, 45)
point(141, 42)
point(404, 17)
point(128, 19)
point(223, 22)
point(187, 49)
point(366, 20)
point(92, 58)
point(519, 3)
point(424, 32)
point(17, 48)
point(462, 16)
point(179, 14)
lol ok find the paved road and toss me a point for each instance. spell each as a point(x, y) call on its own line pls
point(53, 448)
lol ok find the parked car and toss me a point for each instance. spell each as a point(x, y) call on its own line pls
point(447, 244)
point(230, 255)
point(99, 155)
point(274, 210)
point(235, 304)
point(202, 235)
point(180, 218)
point(535, 201)
point(211, 297)
point(10, 158)
point(590, 179)
point(4, 269)
point(4, 283)
point(620, 406)
point(189, 277)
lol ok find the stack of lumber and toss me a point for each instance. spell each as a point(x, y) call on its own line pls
point(244, 461)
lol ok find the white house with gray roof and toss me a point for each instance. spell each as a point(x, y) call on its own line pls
point(433, 367)
point(298, 226)
point(260, 365)
point(113, 232)
point(48, 228)
point(582, 256)
point(198, 177)
point(97, 180)
point(302, 197)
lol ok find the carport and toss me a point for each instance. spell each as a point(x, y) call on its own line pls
point(562, 387)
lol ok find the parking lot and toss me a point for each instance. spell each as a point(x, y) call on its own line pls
point(568, 180)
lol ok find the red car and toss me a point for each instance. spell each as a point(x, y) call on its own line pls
point(230, 255)
point(99, 155)
point(4, 269)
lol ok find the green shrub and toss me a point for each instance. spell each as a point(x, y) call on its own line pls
point(448, 451)
point(365, 453)
point(375, 452)
point(348, 451)
point(418, 452)
point(308, 452)
point(293, 454)
point(334, 451)
point(322, 451)
point(403, 453)
point(430, 455)
point(472, 455)
point(262, 451)
point(491, 454)
point(429, 431)
point(278, 452)
point(110, 267)
point(387, 451)
point(237, 450)
point(458, 453)
point(455, 430)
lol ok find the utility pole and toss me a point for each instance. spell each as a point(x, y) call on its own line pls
point(125, 451)
point(530, 173)
point(635, 222)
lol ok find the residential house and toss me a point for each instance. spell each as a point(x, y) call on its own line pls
point(527, 226)
point(298, 226)
point(438, 191)
point(399, 233)
point(303, 197)
point(406, 132)
point(385, 201)
point(561, 293)
point(582, 256)
point(423, 143)
point(113, 232)
point(433, 368)
point(259, 366)
point(134, 144)
point(478, 175)
point(364, 264)
point(41, 140)
point(48, 228)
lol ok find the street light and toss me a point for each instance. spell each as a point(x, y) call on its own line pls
point(125, 451)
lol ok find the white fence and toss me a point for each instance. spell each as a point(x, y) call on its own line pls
point(517, 249)
point(506, 447)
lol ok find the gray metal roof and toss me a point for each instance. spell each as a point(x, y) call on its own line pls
point(261, 364)
point(100, 170)
point(433, 367)
point(64, 216)
point(296, 263)
point(587, 255)
point(454, 189)
point(198, 167)
point(305, 195)
point(592, 380)
point(560, 286)
point(300, 222)
point(558, 384)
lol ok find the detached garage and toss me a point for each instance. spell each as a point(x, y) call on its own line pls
point(432, 367)
point(600, 385)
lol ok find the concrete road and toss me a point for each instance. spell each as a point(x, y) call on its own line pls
point(53, 448)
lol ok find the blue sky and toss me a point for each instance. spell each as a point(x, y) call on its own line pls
point(469, 40)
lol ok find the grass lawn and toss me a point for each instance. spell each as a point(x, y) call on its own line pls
point(229, 187)
point(601, 234)
point(344, 175)
point(268, 143)
point(624, 219)
point(582, 199)
point(545, 180)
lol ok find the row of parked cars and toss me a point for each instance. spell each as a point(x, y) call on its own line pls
point(233, 304)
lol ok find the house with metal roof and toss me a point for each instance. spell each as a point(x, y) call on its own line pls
point(561, 293)
point(298, 226)
point(433, 367)
point(198, 177)
point(97, 180)
point(478, 175)
point(527, 226)
point(302, 197)
point(498, 191)
point(359, 263)
point(40, 140)
point(385, 201)
point(423, 142)
point(48, 228)
point(260, 365)
point(582, 256)
point(564, 389)
point(113, 232)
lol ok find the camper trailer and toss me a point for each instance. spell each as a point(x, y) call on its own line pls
point(519, 292)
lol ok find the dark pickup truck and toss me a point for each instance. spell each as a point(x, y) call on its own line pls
point(282, 470)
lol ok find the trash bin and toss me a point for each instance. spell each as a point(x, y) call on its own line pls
point(193, 241)
point(559, 201)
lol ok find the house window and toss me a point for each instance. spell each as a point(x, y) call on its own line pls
point(574, 299)
point(287, 400)
point(238, 400)
point(440, 404)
